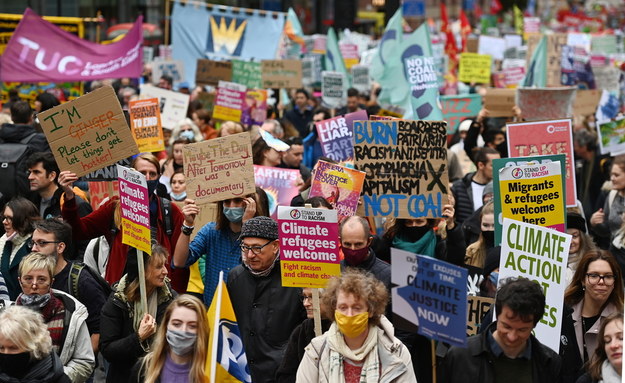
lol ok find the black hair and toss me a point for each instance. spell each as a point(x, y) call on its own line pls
point(168, 78)
point(47, 100)
point(304, 92)
point(352, 92)
point(319, 201)
point(25, 213)
point(490, 134)
point(47, 161)
point(21, 112)
point(295, 140)
point(325, 111)
point(524, 297)
point(481, 154)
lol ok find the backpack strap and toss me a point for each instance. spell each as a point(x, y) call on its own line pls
point(74, 276)
point(27, 139)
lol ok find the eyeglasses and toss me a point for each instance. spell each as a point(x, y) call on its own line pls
point(255, 249)
point(7, 217)
point(306, 298)
point(40, 243)
point(30, 281)
point(608, 279)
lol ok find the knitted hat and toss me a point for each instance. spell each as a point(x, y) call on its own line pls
point(576, 221)
point(260, 227)
point(493, 256)
point(488, 189)
point(465, 125)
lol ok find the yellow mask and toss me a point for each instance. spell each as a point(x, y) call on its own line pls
point(352, 326)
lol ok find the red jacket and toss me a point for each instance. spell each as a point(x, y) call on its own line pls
point(99, 223)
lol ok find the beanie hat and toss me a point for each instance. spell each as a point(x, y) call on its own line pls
point(576, 221)
point(493, 256)
point(465, 125)
point(260, 227)
point(488, 189)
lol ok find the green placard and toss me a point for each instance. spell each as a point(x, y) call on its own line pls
point(246, 73)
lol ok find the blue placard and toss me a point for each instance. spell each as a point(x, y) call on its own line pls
point(413, 8)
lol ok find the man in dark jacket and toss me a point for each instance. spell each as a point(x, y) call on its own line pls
point(506, 350)
point(266, 311)
point(301, 115)
point(22, 127)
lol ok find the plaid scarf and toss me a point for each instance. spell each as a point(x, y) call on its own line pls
point(53, 315)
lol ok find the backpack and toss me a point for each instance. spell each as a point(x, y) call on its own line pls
point(74, 276)
point(13, 156)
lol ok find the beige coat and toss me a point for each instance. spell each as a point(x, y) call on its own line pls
point(395, 362)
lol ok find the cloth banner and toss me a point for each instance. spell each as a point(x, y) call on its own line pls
point(39, 51)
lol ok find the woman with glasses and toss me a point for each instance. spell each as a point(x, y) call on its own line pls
point(64, 315)
point(17, 218)
point(595, 292)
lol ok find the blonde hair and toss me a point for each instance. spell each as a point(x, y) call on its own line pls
point(27, 330)
point(159, 254)
point(37, 261)
point(152, 364)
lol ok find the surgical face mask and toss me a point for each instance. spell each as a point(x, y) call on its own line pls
point(152, 185)
point(179, 197)
point(494, 277)
point(181, 342)
point(234, 214)
point(352, 326)
point(489, 238)
point(35, 301)
point(188, 134)
point(355, 257)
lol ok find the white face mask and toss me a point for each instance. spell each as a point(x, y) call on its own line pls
point(181, 342)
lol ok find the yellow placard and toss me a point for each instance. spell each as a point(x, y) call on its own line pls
point(475, 68)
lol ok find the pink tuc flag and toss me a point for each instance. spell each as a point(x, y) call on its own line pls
point(39, 51)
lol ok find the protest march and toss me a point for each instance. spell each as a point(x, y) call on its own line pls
point(311, 191)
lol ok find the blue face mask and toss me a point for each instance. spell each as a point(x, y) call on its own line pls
point(188, 134)
point(179, 197)
point(152, 186)
point(494, 277)
point(234, 214)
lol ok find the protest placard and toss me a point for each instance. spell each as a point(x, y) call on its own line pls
point(173, 105)
point(457, 108)
point(309, 246)
point(319, 43)
point(406, 166)
point(612, 137)
point(229, 101)
point(546, 103)
point(422, 75)
point(607, 77)
point(478, 307)
point(474, 68)
point(513, 72)
point(500, 102)
point(361, 80)
point(333, 89)
point(246, 73)
point(218, 169)
point(350, 54)
point(431, 294)
point(586, 101)
point(209, 72)
point(307, 71)
point(145, 120)
point(135, 209)
point(279, 184)
point(281, 73)
point(539, 254)
point(88, 133)
point(339, 185)
point(555, 42)
point(255, 107)
point(529, 139)
point(107, 173)
point(493, 46)
point(100, 191)
point(335, 135)
point(171, 68)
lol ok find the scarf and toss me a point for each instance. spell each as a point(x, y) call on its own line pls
point(426, 245)
point(609, 374)
point(159, 295)
point(263, 273)
point(53, 316)
point(368, 352)
point(47, 369)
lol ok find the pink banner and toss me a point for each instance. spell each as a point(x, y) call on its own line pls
point(39, 51)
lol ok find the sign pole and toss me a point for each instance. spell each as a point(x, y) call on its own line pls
point(316, 312)
point(433, 350)
point(142, 288)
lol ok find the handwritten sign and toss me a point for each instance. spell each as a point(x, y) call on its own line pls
point(406, 166)
point(135, 209)
point(529, 139)
point(173, 105)
point(209, 72)
point(542, 259)
point(339, 185)
point(333, 89)
point(475, 68)
point(229, 101)
point(309, 246)
point(431, 294)
point(88, 133)
point(478, 307)
point(457, 108)
point(281, 73)
point(107, 173)
point(246, 73)
point(335, 135)
point(218, 169)
point(279, 184)
point(145, 120)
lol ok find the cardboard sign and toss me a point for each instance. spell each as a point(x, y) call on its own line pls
point(406, 166)
point(335, 135)
point(432, 294)
point(219, 169)
point(173, 105)
point(279, 184)
point(281, 73)
point(555, 42)
point(229, 101)
point(209, 72)
point(88, 133)
point(99, 191)
point(542, 259)
point(145, 120)
point(309, 246)
point(135, 209)
point(612, 137)
point(246, 73)
point(586, 101)
point(360, 78)
point(546, 103)
point(457, 108)
point(172, 68)
point(499, 102)
point(475, 68)
point(339, 185)
point(530, 139)
point(478, 307)
point(333, 89)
